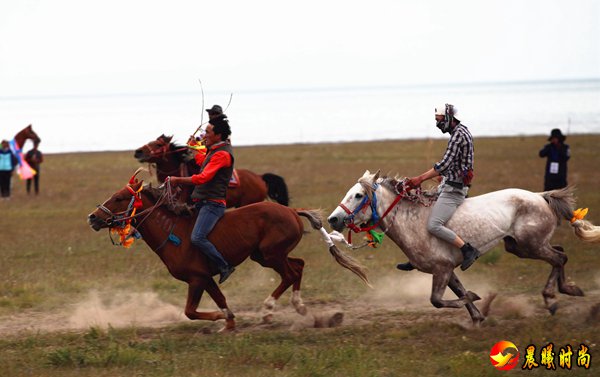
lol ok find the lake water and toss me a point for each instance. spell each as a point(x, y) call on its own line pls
point(125, 122)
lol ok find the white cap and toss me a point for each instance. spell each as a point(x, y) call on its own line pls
point(441, 110)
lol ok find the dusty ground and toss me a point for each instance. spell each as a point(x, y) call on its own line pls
point(397, 300)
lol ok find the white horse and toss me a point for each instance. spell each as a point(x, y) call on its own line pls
point(523, 219)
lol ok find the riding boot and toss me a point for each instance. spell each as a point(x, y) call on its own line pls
point(405, 266)
point(470, 255)
point(225, 273)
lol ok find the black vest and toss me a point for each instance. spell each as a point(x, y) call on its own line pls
point(216, 188)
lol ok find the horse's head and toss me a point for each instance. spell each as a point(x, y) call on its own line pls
point(355, 208)
point(27, 133)
point(30, 133)
point(154, 150)
point(118, 207)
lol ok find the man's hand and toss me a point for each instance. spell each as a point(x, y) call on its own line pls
point(415, 182)
point(172, 180)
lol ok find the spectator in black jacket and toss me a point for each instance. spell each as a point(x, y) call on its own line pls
point(557, 154)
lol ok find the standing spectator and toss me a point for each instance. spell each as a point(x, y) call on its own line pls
point(34, 158)
point(557, 154)
point(7, 165)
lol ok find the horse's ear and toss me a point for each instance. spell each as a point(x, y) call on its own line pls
point(367, 173)
point(132, 180)
point(376, 176)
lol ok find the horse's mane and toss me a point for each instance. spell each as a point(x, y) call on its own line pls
point(155, 193)
point(395, 184)
point(391, 183)
point(181, 153)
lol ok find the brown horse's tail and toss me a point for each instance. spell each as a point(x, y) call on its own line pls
point(562, 203)
point(314, 217)
point(343, 259)
point(276, 188)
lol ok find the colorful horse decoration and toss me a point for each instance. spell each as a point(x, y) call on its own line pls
point(266, 232)
point(524, 220)
point(171, 159)
point(24, 170)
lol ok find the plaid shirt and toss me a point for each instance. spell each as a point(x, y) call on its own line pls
point(458, 158)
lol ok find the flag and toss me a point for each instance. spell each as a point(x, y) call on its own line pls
point(24, 170)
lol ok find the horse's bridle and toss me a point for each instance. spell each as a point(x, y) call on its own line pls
point(120, 218)
point(362, 206)
point(162, 151)
point(372, 203)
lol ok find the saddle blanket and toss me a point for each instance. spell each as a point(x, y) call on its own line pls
point(235, 180)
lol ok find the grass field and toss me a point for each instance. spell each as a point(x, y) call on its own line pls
point(72, 304)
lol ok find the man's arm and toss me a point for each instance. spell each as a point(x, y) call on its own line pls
point(219, 160)
point(416, 181)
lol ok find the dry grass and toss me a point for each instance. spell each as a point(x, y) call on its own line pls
point(56, 273)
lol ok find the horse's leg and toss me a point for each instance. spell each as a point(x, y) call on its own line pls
point(290, 271)
point(557, 259)
point(215, 293)
point(297, 265)
point(440, 282)
point(563, 286)
point(195, 290)
point(460, 291)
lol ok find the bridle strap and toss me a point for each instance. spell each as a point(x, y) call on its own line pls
point(355, 228)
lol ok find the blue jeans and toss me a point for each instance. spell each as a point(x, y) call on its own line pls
point(208, 215)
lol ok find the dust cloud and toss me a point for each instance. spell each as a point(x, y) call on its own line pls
point(124, 309)
point(411, 291)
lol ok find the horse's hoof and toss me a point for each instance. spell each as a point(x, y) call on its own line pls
point(553, 308)
point(571, 290)
point(229, 326)
point(472, 296)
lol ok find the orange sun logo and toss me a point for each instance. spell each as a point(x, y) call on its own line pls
point(504, 355)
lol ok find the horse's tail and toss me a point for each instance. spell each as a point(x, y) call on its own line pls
point(562, 203)
point(276, 188)
point(314, 217)
point(343, 259)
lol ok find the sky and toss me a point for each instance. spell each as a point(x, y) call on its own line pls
point(81, 47)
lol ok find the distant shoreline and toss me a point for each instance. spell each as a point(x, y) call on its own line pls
point(325, 143)
point(427, 86)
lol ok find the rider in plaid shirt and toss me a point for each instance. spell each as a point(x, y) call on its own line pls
point(457, 169)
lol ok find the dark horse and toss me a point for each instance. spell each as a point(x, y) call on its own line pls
point(266, 232)
point(27, 133)
point(171, 159)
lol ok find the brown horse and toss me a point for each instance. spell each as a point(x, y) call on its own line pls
point(266, 232)
point(27, 133)
point(171, 159)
